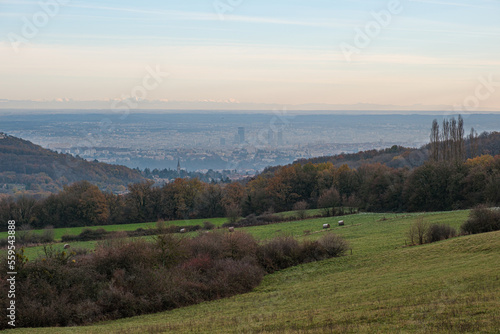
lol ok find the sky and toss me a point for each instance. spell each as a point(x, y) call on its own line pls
point(348, 54)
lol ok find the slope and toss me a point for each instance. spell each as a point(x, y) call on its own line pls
point(26, 167)
point(447, 287)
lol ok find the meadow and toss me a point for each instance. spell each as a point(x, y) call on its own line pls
point(36, 251)
point(452, 286)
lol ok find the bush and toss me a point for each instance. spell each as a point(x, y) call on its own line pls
point(221, 245)
point(438, 232)
point(481, 220)
point(253, 220)
point(333, 245)
point(47, 234)
point(208, 226)
point(87, 235)
point(26, 236)
point(279, 253)
point(421, 232)
point(124, 278)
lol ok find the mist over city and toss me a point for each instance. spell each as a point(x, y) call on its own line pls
point(246, 143)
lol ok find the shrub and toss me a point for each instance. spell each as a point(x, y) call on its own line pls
point(481, 220)
point(208, 226)
point(211, 244)
point(26, 236)
point(333, 245)
point(221, 245)
point(124, 278)
point(253, 220)
point(87, 235)
point(438, 232)
point(279, 253)
point(47, 234)
point(236, 276)
point(240, 245)
point(312, 251)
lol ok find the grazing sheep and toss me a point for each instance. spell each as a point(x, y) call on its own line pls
point(326, 225)
point(341, 223)
point(231, 229)
point(66, 246)
point(183, 230)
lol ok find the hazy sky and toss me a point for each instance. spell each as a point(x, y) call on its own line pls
point(428, 52)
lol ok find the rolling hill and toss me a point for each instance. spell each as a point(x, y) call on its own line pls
point(399, 156)
point(29, 168)
point(450, 286)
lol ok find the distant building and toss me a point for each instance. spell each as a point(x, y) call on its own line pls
point(241, 135)
point(270, 137)
point(280, 137)
point(179, 167)
point(223, 142)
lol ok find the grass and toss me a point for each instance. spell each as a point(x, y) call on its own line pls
point(59, 232)
point(35, 251)
point(451, 286)
point(366, 232)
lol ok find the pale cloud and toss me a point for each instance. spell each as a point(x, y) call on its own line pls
point(455, 4)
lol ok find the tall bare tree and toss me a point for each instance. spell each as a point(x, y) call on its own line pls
point(435, 141)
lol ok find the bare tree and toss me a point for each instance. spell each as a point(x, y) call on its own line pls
point(435, 141)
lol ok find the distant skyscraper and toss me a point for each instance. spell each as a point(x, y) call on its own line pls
point(270, 137)
point(280, 137)
point(241, 135)
point(223, 142)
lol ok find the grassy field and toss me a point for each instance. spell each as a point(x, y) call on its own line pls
point(35, 251)
point(451, 286)
point(59, 232)
point(386, 227)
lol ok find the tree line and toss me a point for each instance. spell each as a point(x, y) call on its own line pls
point(435, 186)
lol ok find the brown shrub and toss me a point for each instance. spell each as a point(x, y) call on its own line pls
point(279, 253)
point(481, 220)
point(438, 232)
point(123, 278)
point(333, 245)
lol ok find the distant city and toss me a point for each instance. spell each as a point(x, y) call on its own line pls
point(244, 144)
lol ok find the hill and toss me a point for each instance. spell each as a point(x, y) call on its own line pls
point(29, 168)
point(445, 287)
point(399, 156)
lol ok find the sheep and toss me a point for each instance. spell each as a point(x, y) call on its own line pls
point(326, 225)
point(66, 246)
point(341, 223)
point(183, 230)
point(231, 229)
